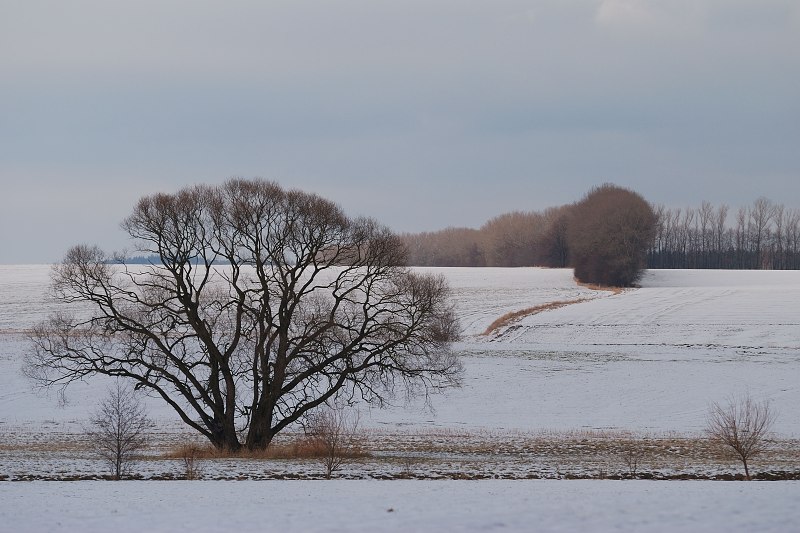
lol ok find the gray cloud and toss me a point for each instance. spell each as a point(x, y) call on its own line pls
point(421, 113)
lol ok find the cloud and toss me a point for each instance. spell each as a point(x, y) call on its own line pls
point(702, 17)
point(625, 13)
point(402, 110)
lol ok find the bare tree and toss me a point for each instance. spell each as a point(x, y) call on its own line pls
point(686, 234)
point(705, 220)
point(262, 304)
point(741, 426)
point(119, 428)
point(740, 237)
point(792, 236)
point(190, 455)
point(759, 227)
point(632, 454)
point(554, 249)
point(720, 231)
point(335, 430)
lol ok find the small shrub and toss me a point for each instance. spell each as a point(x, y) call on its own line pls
point(409, 463)
point(741, 426)
point(118, 429)
point(190, 455)
point(334, 432)
point(631, 455)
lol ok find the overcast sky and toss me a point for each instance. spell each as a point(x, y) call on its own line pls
point(423, 114)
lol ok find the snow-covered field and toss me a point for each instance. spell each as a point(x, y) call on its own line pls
point(646, 361)
point(244, 506)
point(649, 359)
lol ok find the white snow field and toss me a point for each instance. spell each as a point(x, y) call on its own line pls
point(340, 505)
point(648, 361)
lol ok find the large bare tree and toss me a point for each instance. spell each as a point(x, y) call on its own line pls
point(262, 305)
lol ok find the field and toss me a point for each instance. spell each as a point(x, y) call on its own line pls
point(565, 392)
point(368, 506)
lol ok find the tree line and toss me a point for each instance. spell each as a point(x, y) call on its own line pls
point(509, 240)
point(604, 236)
point(764, 235)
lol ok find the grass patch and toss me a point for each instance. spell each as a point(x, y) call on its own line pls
point(293, 449)
point(596, 287)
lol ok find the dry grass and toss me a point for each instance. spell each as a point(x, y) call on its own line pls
point(588, 433)
point(433, 453)
point(596, 287)
point(59, 444)
point(514, 316)
point(293, 449)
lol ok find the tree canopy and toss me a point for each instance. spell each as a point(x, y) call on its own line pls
point(608, 235)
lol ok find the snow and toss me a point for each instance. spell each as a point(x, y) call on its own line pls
point(484, 294)
point(647, 360)
point(340, 505)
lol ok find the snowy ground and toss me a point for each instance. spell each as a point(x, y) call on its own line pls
point(244, 506)
point(552, 393)
point(649, 359)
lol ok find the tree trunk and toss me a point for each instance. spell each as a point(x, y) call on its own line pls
point(223, 437)
point(259, 441)
point(260, 434)
point(258, 438)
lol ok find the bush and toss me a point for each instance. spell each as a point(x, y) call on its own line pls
point(336, 434)
point(190, 454)
point(118, 429)
point(741, 426)
point(608, 235)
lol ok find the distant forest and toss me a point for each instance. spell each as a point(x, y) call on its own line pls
point(764, 235)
